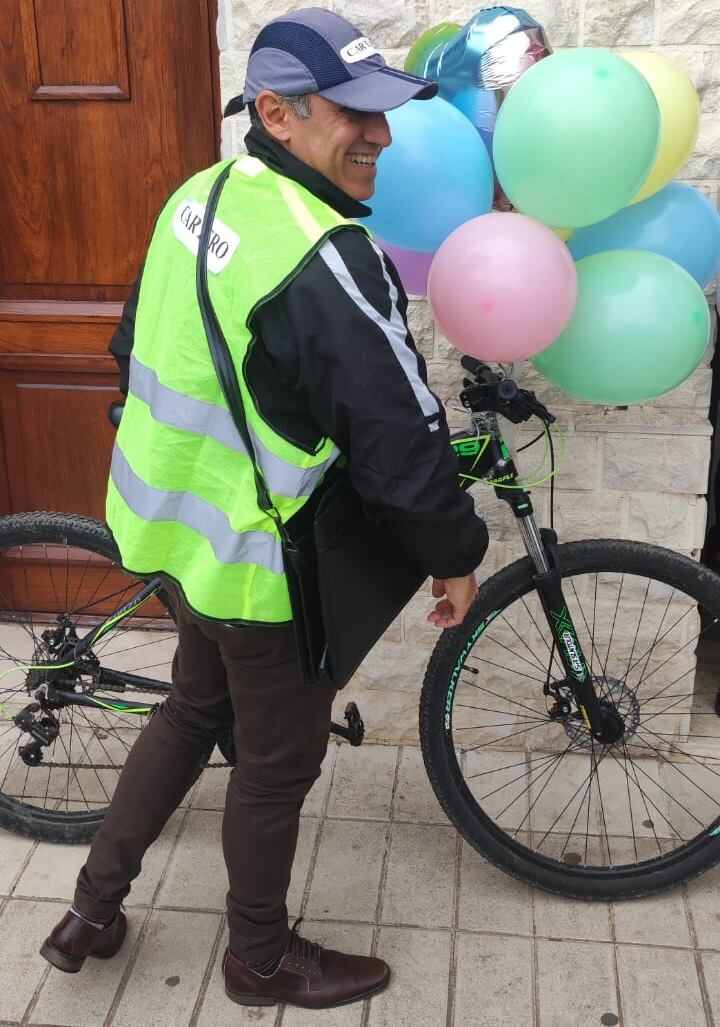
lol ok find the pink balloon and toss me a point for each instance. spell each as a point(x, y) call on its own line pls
point(412, 266)
point(502, 287)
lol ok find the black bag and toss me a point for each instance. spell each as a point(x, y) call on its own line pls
point(347, 578)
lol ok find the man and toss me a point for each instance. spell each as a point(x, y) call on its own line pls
point(314, 315)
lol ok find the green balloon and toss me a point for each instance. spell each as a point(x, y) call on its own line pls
point(640, 327)
point(576, 137)
point(426, 43)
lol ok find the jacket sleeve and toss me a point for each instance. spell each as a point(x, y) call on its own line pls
point(123, 338)
point(344, 318)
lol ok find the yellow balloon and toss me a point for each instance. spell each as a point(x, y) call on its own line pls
point(679, 106)
point(563, 233)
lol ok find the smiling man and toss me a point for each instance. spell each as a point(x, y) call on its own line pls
point(315, 319)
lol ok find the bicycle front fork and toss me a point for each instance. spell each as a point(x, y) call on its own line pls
point(599, 717)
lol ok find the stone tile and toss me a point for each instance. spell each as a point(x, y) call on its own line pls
point(14, 850)
point(166, 979)
point(493, 987)
point(559, 918)
point(315, 799)
point(301, 863)
point(344, 938)
point(196, 876)
point(347, 872)
point(654, 462)
point(417, 994)
point(420, 882)
point(394, 665)
point(491, 900)
point(210, 790)
point(52, 871)
point(218, 1011)
point(654, 980)
point(576, 983)
point(23, 928)
point(711, 966)
point(414, 798)
point(85, 1001)
point(655, 919)
point(704, 898)
point(619, 25)
point(363, 782)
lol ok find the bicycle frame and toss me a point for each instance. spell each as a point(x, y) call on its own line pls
point(482, 456)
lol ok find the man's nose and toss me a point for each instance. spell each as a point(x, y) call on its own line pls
point(376, 129)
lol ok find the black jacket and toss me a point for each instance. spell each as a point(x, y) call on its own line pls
point(333, 357)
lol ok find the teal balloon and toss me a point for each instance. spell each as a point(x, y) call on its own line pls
point(677, 222)
point(640, 327)
point(435, 176)
point(576, 137)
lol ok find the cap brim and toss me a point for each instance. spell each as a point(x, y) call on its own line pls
point(234, 106)
point(381, 90)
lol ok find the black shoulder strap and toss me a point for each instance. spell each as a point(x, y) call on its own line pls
point(220, 352)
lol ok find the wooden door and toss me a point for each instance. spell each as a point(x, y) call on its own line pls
point(105, 107)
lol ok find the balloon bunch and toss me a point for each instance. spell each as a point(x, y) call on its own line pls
point(580, 146)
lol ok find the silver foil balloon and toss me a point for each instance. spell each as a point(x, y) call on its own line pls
point(491, 52)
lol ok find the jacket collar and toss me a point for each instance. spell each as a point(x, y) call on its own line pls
point(260, 144)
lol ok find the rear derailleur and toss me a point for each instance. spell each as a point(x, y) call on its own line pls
point(43, 729)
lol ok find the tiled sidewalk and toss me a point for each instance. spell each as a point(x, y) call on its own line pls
point(379, 870)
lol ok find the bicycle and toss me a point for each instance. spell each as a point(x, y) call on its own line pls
point(566, 765)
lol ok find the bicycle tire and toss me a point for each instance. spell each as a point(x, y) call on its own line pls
point(443, 754)
point(77, 535)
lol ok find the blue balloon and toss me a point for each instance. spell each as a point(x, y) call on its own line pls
point(435, 176)
point(678, 222)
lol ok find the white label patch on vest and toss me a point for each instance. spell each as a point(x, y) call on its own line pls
point(358, 50)
point(187, 225)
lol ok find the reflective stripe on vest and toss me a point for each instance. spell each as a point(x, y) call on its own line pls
point(198, 417)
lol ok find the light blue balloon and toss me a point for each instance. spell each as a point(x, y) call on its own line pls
point(678, 222)
point(435, 176)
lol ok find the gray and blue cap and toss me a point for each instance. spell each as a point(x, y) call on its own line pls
point(313, 50)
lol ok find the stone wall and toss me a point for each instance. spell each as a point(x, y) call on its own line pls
point(640, 472)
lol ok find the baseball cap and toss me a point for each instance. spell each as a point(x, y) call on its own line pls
point(313, 50)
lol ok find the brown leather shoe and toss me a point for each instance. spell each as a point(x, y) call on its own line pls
point(308, 975)
point(73, 939)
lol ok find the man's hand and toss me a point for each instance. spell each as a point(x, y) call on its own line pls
point(460, 592)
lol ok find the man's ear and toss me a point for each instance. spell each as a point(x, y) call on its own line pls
point(274, 114)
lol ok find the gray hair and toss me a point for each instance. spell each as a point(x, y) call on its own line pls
point(299, 105)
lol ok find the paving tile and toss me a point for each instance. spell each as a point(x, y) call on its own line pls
point(52, 871)
point(414, 798)
point(420, 883)
point(417, 993)
point(218, 1011)
point(655, 920)
point(711, 966)
point(704, 896)
point(345, 938)
point(559, 918)
point(653, 982)
point(315, 800)
point(23, 928)
point(196, 876)
point(84, 1000)
point(167, 975)
point(301, 864)
point(493, 986)
point(363, 781)
point(210, 790)
point(347, 872)
point(491, 900)
point(14, 850)
point(576, 983)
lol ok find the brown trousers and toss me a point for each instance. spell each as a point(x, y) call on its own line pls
point(249, 675)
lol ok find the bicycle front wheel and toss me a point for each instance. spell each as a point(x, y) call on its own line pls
point(522, 779)
point(60, 576)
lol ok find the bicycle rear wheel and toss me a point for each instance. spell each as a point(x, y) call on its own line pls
point(525, 783)
point(60, 575)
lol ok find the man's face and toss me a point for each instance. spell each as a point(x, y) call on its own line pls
point(341, 144)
